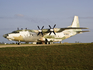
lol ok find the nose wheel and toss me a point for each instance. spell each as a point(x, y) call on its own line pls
point(19, 43)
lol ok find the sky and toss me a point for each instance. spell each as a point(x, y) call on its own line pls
point(31, 13)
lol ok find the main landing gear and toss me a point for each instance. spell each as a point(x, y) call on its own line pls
point(45, 42)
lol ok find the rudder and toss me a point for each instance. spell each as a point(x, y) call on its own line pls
point(75, 22)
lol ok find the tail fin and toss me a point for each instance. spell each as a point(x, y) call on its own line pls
point(75, 23)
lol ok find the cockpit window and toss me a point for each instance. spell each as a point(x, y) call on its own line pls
point(15, 32)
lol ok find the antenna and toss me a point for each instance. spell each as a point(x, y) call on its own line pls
point(26, 28)
point(17, 28)
point(21, 28)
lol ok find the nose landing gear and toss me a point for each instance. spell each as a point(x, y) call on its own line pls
point(18, 43)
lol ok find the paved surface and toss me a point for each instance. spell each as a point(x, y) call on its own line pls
point(25, 45)
point(4, 46)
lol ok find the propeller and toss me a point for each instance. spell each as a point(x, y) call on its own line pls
point(52, 29)
point(40, 30)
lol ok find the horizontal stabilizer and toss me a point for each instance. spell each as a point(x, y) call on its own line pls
point(82, 31)
point(76, 28)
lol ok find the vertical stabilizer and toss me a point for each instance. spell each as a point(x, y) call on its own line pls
point(75, 22)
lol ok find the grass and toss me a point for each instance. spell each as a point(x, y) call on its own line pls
point(55, 57)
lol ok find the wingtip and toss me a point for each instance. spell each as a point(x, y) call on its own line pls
point(84, 27)
point(87, 28)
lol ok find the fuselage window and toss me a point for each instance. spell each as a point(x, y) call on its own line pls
point(66, 34)
point(31, 34)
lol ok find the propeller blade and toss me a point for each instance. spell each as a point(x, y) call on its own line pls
point(38, 33)
point(54, 32)
point(42, 27)
point(40, 30)
point(54, 26)
point(50, 33)
point(38, 27)
point(52, 29)
point(50, 26)
point(42, 33)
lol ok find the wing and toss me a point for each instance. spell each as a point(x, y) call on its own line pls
point(56, 30)
point(62, 29)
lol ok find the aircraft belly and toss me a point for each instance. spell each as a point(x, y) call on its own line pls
point(18, 38)
point(55, 38)
point(59, 36)
point(30, 39)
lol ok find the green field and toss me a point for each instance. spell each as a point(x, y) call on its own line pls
point(53, 57)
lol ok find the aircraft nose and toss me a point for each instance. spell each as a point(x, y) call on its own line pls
point(5, 35)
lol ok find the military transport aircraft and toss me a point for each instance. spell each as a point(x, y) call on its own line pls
point(46, 36)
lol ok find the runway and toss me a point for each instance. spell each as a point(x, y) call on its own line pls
point(27, 45)
point(4, 46)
